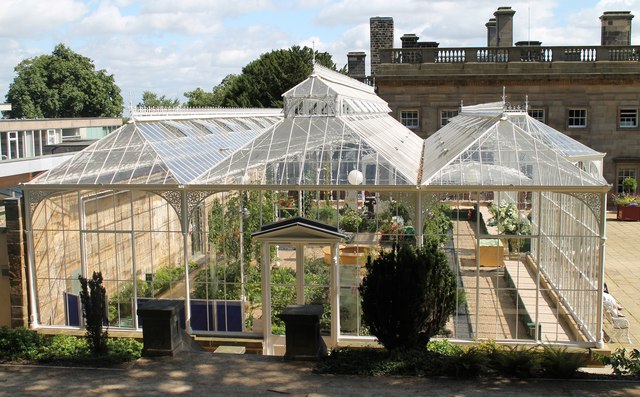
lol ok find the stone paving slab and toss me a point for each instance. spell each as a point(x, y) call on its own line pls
point(204, 374)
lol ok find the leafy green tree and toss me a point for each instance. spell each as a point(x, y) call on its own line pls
point(408, 295)
point(152, 100)
point(63, 84)
point(263, 81)
point(200, 98)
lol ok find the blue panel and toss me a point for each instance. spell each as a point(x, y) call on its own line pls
point(71, 309)
point(229, 316)
point(201, 315)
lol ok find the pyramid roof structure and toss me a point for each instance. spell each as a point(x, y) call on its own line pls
point(332, 125)
point(492, 145)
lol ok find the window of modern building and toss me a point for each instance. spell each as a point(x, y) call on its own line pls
point(625, 172)
point(537, 114)
point(628, 118)
point(577, 118)
point(410, 119)
point(445, 115)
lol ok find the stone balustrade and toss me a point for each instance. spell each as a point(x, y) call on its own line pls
point(511, 54)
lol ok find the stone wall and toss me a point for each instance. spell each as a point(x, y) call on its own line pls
point(112, 233)
point(601, 88)
point(17, 266)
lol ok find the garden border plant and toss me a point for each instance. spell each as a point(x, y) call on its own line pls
point(443, 358)
point(21, 345)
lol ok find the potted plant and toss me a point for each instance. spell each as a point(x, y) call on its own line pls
point(628, 206)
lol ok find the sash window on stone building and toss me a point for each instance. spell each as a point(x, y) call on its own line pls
point(628, 118)
point(577, 118)
point(410, 118)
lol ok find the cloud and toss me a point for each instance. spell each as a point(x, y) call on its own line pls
point(169, 46)
point(22, 19)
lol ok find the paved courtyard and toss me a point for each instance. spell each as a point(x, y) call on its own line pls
point(622, 272)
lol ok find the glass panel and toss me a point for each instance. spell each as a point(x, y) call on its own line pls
point(283, 286)
point(317, 269)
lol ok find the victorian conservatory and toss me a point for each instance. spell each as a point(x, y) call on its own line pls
point(241, 212)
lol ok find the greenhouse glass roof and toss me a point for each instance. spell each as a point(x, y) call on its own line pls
point(490, 145)
point(170, 151)
point(331, 125)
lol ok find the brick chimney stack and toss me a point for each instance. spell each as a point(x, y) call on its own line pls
point(616, 28)
point(504, 26)
point(381, 36)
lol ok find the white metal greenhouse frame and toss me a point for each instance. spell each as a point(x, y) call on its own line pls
point(141, 201)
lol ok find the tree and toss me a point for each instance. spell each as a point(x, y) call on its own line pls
point(63, 84)
point(408, 295)
point(263, 81)
point(152, 100)
point(94, 310)
point(199, 98)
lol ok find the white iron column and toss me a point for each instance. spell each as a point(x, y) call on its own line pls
point(267, 346)
point(30, 260)
point(603, 240)
point(334, 290)
point(185, 253)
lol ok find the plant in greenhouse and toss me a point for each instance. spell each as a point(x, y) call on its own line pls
point(437, 223)
point(509, 220)
point(351, 221)
point(224, 222)
point(408, 295)
point(94, 301)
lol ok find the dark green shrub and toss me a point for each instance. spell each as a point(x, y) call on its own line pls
point(19, 344)
point(408, 295)
point(94, 310)
point(466, 363)
point(621, 363)
point(517, 361)
point(561, 363)
point(381, 362)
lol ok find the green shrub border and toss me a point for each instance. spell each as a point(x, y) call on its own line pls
point(443, 358)
point(27, 346)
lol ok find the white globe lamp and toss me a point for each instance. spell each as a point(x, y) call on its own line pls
point(355, 177)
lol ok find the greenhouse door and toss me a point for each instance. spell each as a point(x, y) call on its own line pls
point(298, 275)
point(299, 267)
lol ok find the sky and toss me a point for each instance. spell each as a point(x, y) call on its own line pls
point(173, 46)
